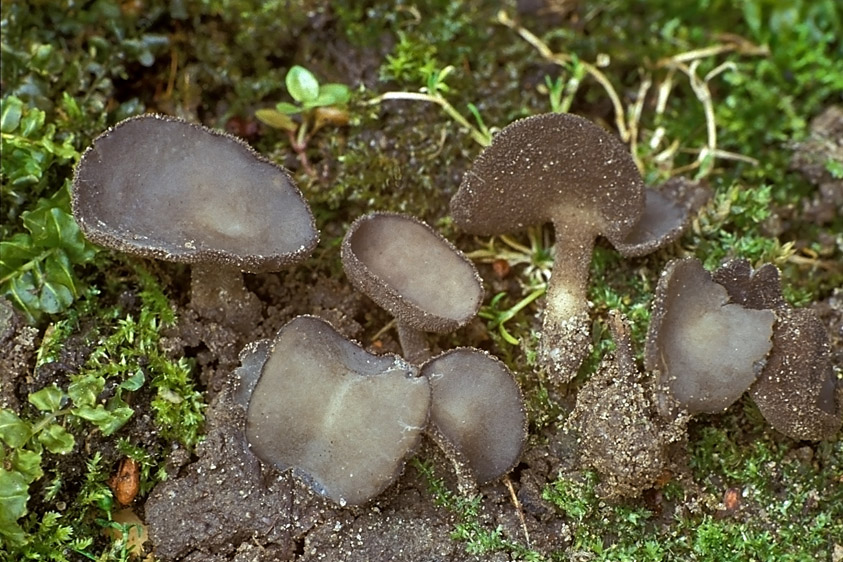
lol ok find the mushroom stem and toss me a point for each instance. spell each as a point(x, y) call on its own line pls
point(217, 293)
point(413, 344)
point(566, 336)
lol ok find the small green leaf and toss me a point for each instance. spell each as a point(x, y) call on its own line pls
point(54, 298)
point(302, 84)
point(287, 109)
point(14, 493)
point(48, 399)
point(32, 122)
point(28, 463)
point(275, 119)
point(336, 94)
point(84, 390)
point(11, 114)
point(56, 439)
point(134, 382)
point(13, 430)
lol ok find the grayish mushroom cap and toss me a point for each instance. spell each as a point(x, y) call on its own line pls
point(705, 350)
point(797, 392)
point(477, 412)
point(168, 189)
point(668, 211)
point(412, 271)
point(343, 419)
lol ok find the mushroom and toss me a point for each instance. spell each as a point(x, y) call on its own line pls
point(704, 350)
point(410, 270)
point(668, 211)
point(796, 392)
point(342, 419)
point(163, 188)
point(563, 169)
point(619, 431)
point(477, 413)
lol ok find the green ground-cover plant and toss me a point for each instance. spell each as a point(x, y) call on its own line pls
point(316, 106)
point(41, 245)
point(126, 362)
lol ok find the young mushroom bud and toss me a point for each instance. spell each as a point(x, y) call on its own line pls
point(342, 419)
point(410, 270)
point(619, 431)
point(796, 392)
point(477, 413)
point(163, 188)
point(563, 169)
point(705, 350)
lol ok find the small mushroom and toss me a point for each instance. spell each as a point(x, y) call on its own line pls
point(667, 213)
point(563, 169)
point(342, 419)
point(796, 392)
point(410, 270)
point(477, 413)
point(705, 350)
point(163, 188)
point(619, 431)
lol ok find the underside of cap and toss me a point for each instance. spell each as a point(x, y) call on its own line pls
point(544, 167)
point(164, 188)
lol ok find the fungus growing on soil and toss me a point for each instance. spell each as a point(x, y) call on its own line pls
point(620, 434)
point(164, 188)
point(342, 419)
point(668, 211)
point(796, 391)
point(704, 350)
point(477, 413)
point(410, 270)
point(563, 169)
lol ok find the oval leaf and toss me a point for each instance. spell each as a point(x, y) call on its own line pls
point(302, 84)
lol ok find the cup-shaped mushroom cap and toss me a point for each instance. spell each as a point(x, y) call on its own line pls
point(706, 350)
point(796, 391)
point(343, 419)
point(667, 213)
point(555, 167)
point(164, 188)
point(412, 271)
point(477, 413)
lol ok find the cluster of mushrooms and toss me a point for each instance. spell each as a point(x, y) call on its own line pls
point(344, 420)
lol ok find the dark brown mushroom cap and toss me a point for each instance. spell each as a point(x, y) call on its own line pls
point(796, 391)
point(555, 167)
point(705, 350)
point(477, 412)
point(759, 289)
point(164, 188)
point(668, 211)
point(412, 271)
point(343, 419)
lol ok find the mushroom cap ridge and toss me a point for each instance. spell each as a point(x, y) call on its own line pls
point(554, 167)
point(164, 188)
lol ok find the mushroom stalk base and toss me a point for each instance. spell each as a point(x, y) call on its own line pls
point(217, 293)
point(566, 334)
point(413, 344)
